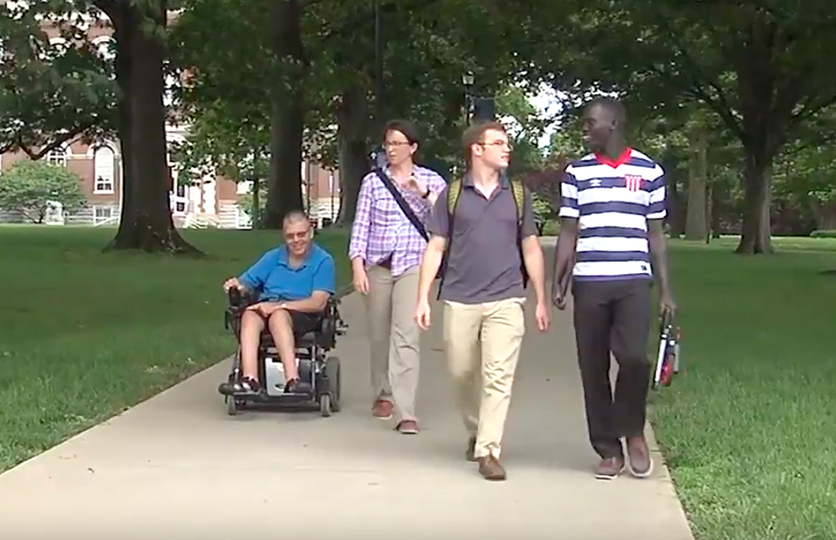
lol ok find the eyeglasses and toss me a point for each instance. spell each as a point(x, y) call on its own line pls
point(296, 236)
point(396, 144)
point(501, 144)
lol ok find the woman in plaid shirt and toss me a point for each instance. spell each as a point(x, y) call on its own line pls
point(385, 251)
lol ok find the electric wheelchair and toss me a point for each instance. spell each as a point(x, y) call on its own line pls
point(320, 370)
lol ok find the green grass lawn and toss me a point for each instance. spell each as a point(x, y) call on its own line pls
point(86, 335)
point(749, 427)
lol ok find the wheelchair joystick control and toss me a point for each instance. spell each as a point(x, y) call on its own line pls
point(234, 296)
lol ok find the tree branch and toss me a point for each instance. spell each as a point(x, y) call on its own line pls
point(108, 7)
point(699, 79)
point(811, 107)
point(695, 91)
point(351, 27)
point(50, 146)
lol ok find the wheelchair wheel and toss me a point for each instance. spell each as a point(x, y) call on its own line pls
point(325, 405)
point(333, 373)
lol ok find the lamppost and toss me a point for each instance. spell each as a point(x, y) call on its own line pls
point(377, 156)
point(378, 63)
point(467, 81)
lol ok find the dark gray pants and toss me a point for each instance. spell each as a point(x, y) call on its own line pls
point(613, 316)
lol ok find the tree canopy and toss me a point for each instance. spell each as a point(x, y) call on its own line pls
point(736, 100)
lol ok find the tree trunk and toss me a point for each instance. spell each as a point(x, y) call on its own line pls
point(696, 227)
point(256, 209)
point(674, 200)
point(714, 211)
point(756, 235)
point(825, 213)
point(352, 120)
point(287, 124)
point(146, 223)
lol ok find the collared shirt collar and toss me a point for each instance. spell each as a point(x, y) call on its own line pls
point(504, 183)
point(284, 256)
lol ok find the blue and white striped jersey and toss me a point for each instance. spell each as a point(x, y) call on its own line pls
point(613, 201)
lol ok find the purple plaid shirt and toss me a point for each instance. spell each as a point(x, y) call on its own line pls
point(380, 227)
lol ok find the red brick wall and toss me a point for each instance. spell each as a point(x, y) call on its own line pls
point(78, 161)
point(318, 180)
point(225, 189)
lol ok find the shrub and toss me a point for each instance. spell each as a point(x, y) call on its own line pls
point(32, 187)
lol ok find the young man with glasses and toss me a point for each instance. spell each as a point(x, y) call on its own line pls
point(491, 244)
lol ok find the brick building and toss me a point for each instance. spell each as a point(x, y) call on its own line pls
point(214, 201)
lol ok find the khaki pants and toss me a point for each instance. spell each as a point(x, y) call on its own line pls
point(394, 338)
point(482, 344)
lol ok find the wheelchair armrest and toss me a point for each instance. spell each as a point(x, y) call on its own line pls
point(332, 325)
point(337, 320)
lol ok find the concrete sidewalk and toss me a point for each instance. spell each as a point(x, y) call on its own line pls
point(177, 466)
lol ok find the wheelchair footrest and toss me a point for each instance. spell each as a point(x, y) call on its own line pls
point(225, 390)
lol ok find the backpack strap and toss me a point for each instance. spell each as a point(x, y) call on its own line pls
point(519, 198)
point(518, 189)
point(454, 190)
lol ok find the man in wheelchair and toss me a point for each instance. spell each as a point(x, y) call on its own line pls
point(294, 283)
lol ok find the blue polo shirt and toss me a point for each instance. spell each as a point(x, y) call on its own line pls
point(277, 281)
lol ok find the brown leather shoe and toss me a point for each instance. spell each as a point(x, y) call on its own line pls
point(638, 454)
point(470, 453)
point(408, 427)
point(382, 409)
point(490, 468)
point(609, 468)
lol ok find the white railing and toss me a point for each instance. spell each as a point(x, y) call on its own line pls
point(112, 220)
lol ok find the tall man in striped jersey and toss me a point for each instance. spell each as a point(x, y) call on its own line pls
point(611, 244)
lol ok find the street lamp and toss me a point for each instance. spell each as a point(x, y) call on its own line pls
point(467, 81)
point(378, 153)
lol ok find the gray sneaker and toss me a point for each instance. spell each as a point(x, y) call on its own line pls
point(639, 460)
point(609, 468)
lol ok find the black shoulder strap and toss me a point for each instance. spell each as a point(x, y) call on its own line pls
point(405, 208)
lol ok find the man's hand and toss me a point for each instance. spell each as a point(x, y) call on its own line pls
point(541, 313)
point(265, 309)
point(667, 305)
point(422, 314)
point(564, 261)
point(560, 288)
point(232, 283)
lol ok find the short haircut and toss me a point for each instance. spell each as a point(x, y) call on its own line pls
point(294, 216)
point(404, 126)
point(475, 134)
point(613, 106)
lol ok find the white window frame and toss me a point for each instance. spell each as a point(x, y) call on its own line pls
point(101, 219)
point(105, 181)
point(57, 156)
